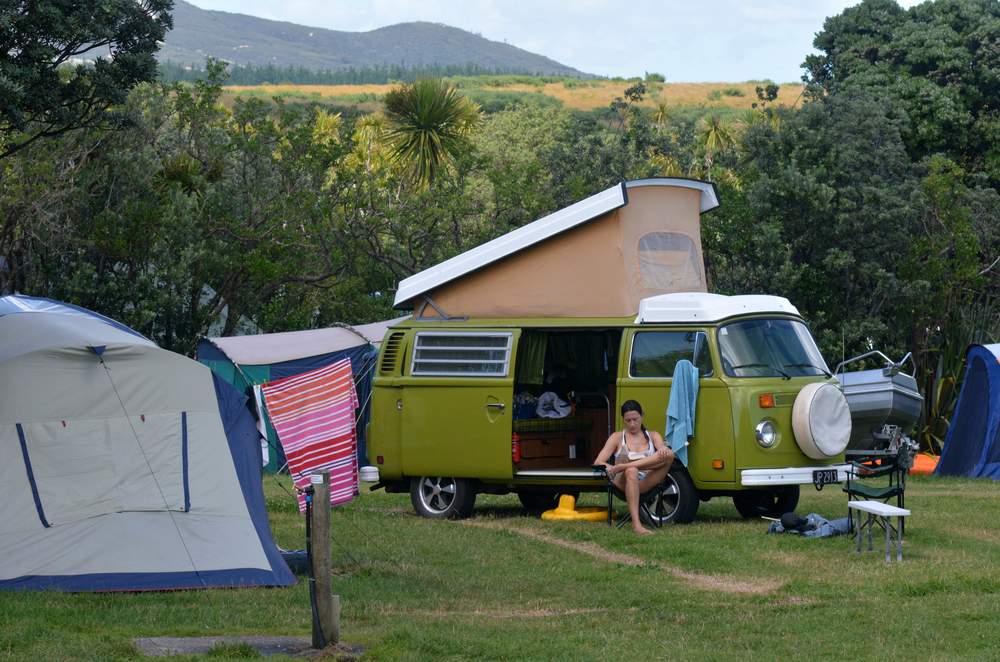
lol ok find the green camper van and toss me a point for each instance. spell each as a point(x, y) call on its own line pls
point(597, 303)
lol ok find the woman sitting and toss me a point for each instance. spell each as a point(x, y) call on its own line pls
point(642, 460)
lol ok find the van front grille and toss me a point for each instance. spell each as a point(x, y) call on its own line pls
point(390, 353)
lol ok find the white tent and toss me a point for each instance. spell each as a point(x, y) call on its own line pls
point(124, 466)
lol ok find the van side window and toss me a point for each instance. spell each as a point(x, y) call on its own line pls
point(656, 353)
point(461, 354)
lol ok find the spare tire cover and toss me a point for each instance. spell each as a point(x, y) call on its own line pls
point(821, 421)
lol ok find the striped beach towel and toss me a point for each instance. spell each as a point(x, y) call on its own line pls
point(313, 414)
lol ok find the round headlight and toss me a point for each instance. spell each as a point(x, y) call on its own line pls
point(766, 433)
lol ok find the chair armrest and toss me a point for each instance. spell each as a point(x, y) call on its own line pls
point(867, 471)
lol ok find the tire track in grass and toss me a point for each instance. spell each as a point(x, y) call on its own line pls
point(500, 613)
point(698, 580)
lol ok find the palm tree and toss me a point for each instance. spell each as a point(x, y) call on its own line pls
point(661, 115)
point(715, 135)
point(429, 126)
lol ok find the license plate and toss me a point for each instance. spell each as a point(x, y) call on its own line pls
point(823, 477)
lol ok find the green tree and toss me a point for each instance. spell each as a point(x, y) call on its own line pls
point(430, 124)
point(936, 61)
point(64, 64)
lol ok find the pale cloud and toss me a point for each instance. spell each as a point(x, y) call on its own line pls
point(711, 40)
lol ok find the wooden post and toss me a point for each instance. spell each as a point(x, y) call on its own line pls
point(327, 628)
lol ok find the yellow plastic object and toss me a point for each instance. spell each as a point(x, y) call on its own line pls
point(566, 510)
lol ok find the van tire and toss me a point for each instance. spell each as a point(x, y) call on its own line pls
point(440, 497)
point(773, 502)
point(536, 503)
point(679, 498)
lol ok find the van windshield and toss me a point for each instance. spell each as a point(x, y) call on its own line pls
point(770, 348)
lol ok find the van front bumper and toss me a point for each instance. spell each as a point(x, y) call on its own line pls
point(788, 476)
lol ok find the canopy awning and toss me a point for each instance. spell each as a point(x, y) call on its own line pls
point(267, 348)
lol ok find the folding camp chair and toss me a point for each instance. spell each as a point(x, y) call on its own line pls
point(890, 465)
point(652, 510)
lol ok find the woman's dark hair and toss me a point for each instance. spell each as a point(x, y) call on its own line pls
point(633, 405)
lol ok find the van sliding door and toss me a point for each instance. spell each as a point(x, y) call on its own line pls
point(457, 404)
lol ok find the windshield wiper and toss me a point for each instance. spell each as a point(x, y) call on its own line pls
point(762, 365)
point(808, 365)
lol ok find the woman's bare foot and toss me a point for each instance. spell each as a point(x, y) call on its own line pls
point(642, 531)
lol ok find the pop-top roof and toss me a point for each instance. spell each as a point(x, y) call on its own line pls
point(699, 307)
point(537, 231)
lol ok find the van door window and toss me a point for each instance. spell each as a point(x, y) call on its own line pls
point(461, 354)
point(655, 353)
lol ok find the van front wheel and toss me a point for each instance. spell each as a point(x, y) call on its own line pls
point(676, 502)
point(442, 498)
point(774, 502)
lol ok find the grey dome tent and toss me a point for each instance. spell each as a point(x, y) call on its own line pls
point(124, 466)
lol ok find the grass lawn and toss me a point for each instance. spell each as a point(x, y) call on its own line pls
point(506, 586)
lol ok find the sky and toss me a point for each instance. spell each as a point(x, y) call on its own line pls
point(709, 40)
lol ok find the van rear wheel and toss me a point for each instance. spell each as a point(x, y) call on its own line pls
point(440, 497)
point(773, 502)
point(537, 502)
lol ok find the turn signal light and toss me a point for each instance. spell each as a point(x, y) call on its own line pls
point(515, 448)
point(718, 464)
point(379, 459)
point(766, 400)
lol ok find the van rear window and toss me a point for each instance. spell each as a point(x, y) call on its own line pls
point(444, 353)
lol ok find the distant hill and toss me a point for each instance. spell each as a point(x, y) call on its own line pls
point(248, 40)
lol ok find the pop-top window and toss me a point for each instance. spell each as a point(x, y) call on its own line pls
point(656, 353)
point(461, 354)
point(668, 261)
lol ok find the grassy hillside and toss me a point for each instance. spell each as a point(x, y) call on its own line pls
point(570, 93)
point(243, 39)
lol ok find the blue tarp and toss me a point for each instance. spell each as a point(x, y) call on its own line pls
point(972, 445)
point(241, 376)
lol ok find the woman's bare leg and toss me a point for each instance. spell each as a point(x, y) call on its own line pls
point(631, 490)
point(653, 478)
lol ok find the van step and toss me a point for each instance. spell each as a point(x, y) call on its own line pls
point(584, 472)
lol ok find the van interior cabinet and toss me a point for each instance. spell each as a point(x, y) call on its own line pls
point(561, 442)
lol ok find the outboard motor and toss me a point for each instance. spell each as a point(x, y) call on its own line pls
point(884, 403)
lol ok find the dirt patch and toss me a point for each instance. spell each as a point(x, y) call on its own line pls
point(782, 558)
point(501, 613)
point(384, 511)
point(722, 583)
point(792, 601)
point(990, 536)
point(238, 645)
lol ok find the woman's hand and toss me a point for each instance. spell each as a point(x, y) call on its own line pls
point(612, 469)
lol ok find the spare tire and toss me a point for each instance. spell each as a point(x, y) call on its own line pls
point(821, 421)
